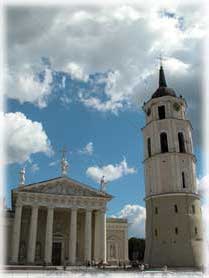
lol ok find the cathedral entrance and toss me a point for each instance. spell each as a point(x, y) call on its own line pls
point(56, 253)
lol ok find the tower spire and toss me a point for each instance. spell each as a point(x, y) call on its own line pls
point(162, 81)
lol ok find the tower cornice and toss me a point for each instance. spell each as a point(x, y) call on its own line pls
point(171, 118)
point(171, 194)
point(153, 101)
point(168, 154)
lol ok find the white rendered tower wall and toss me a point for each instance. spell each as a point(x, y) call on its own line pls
point(174, 221)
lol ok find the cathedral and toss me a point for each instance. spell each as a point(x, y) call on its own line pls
point(63, 222)
point(173, 209)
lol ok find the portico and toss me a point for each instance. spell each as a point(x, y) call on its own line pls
point(59, 215)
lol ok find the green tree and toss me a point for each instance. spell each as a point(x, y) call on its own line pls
point(136, 248)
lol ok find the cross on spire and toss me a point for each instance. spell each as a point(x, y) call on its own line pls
point(161, 59)
point(63, 151)
point(162, 81)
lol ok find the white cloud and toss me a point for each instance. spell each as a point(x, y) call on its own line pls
point(76, 71)
point(174, 65)
point(88, 149)
point(34, 168)
point(97, 104)
point(125, 40)
point(136, 216)
point(54, 163)
point(24, 137)
point(203, 186)
point(111, 172)
point(25, 86)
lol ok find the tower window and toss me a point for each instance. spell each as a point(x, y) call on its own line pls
point(181, 142)
point(183, 180)
point(164, 142)
point(175, 208)
point(195, 230)
point(193, 209)
point(156, 233)
point(156, 210)
point(176, 231)
point(161, 112)
point(149, 146)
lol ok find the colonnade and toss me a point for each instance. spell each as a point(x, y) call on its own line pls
point(98, 254)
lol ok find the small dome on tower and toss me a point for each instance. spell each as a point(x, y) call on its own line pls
point(163, 90)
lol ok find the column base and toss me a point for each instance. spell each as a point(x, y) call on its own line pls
point(12, 262)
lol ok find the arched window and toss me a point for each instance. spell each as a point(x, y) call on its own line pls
point(195, 230)
point(164, 142)
point(156, 233)
point(181, 142)
point(156, 210)
point(161, 112)
point(193, 209)
point(176, 231)
point(175, 208)
point(183, 180)
point(149, 146)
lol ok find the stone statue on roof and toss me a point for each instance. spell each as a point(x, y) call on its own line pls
point(22, 176)
point(64, 163)
point(103, 184)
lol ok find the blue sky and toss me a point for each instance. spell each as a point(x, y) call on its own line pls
point(78, 77)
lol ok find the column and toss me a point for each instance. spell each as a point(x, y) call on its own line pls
point(126, 244)
point(16, 233)
point(32, 235)
point(103, 236)
point(97, 237)
point(87, 254)
point(49, 235)
point(73, 236)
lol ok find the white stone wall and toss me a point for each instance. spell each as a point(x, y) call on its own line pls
point(165, 188)
point(168, 101)
point(117, 241)
point(163, 172)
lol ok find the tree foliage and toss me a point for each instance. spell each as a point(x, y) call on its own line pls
point(136, 247)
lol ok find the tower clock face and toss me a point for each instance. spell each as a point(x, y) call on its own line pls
point(148, 111)
point(176, 106)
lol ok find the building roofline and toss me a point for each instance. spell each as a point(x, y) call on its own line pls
point(105, 195)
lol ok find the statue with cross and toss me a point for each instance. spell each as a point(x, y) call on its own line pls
point(103, 184)
point(22, 176)
point(64, 163)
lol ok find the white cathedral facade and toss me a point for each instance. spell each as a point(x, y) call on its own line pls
point(63, 222)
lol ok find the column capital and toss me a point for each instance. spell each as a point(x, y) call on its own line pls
point(34, 206)
point(18, 204)
point(103, 210)
point(88, 209)
point(74, 209)
point(50, 207)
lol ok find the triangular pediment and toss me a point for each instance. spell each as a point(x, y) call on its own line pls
point(64, 186)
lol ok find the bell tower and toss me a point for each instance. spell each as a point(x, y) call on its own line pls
point(173, 223)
